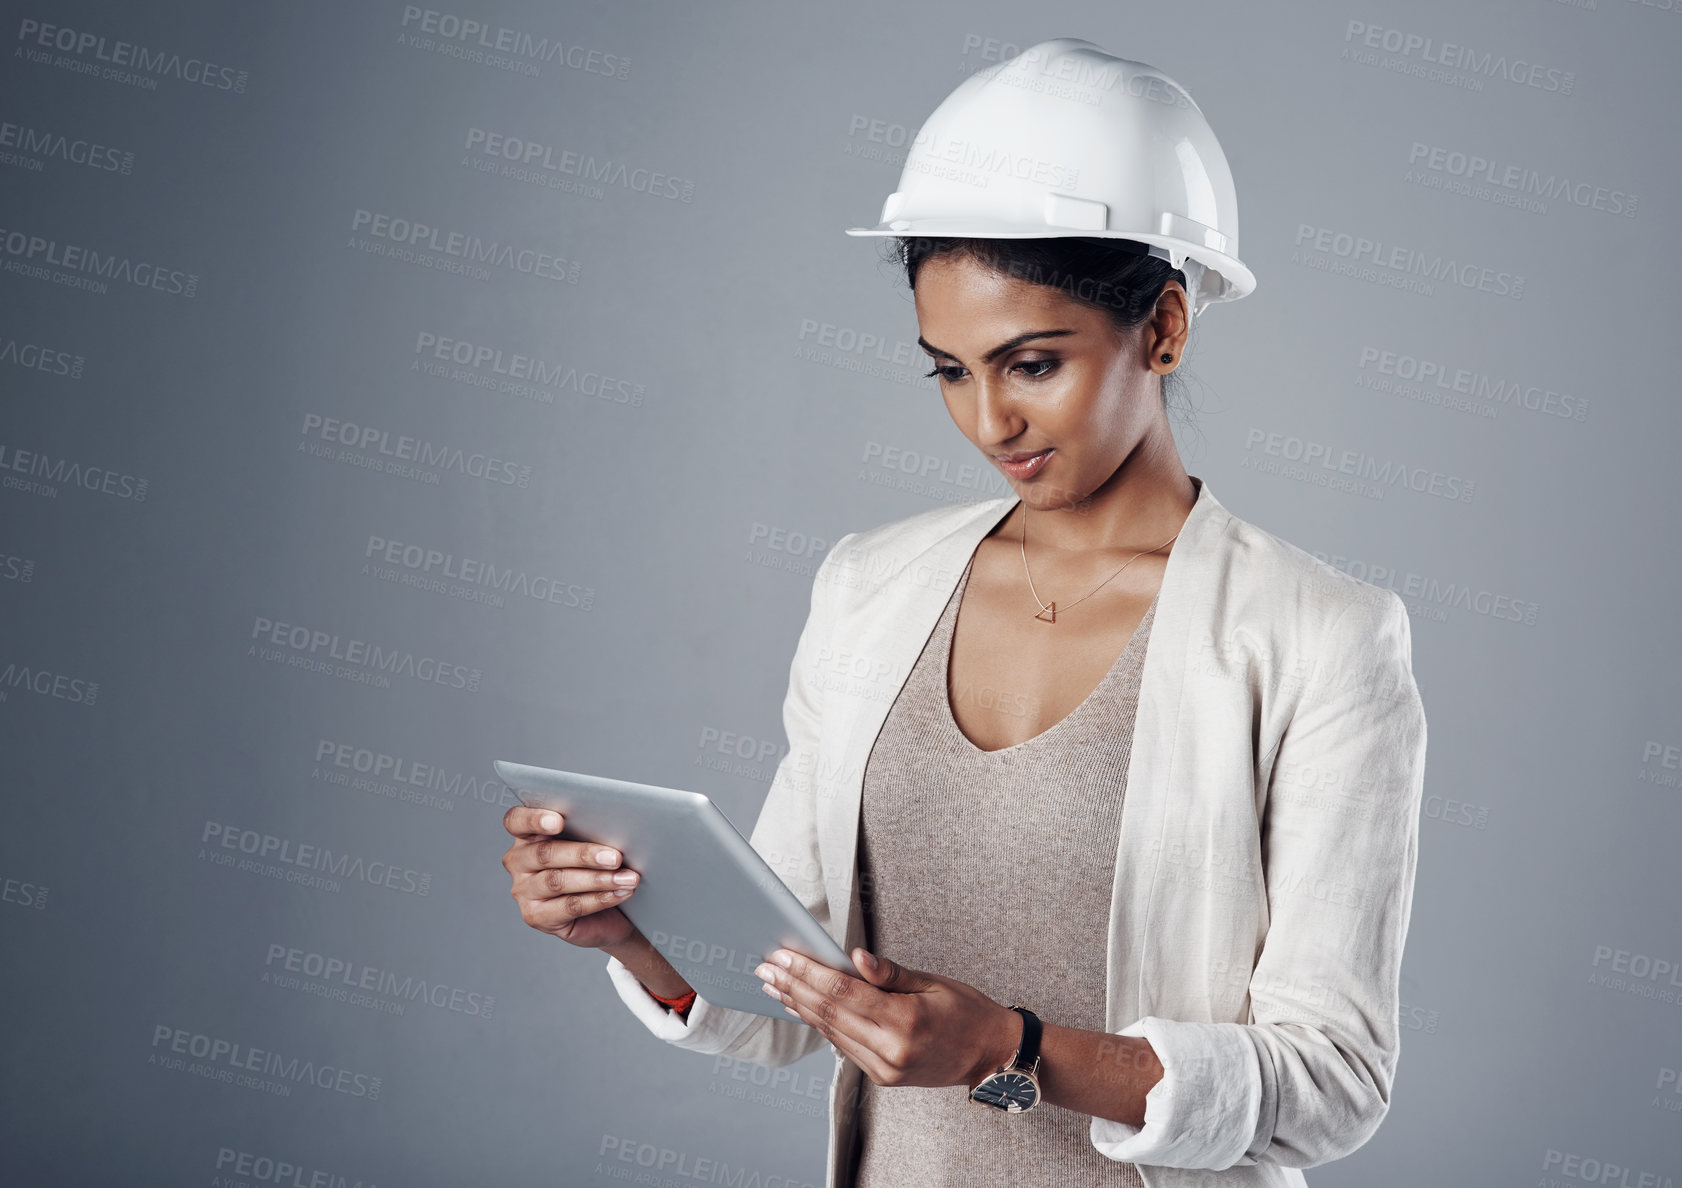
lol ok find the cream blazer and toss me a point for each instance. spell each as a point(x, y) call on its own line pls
point(1268, 838)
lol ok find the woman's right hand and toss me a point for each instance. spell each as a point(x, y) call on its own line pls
point(563, 887)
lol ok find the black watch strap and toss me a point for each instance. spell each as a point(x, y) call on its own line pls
point(1029, 1051)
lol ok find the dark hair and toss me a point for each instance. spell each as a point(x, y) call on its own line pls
point(1113, 275)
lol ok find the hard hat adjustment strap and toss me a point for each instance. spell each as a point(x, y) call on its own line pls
point(1180, 227)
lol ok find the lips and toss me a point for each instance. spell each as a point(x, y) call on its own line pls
point(1023, 463)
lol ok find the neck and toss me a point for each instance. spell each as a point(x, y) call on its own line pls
point(1140, 506)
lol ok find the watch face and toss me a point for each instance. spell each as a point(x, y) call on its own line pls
point(1012, 1091)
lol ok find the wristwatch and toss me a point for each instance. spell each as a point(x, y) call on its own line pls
point(1013, 1087)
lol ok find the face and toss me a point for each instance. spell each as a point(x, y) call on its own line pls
point(1026, 370)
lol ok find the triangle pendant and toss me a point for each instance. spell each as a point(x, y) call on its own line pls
point(1051, 611)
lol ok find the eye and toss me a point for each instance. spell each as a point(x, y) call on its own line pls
point(1032, 368)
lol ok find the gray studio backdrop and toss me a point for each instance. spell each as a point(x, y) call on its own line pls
point(389, 389)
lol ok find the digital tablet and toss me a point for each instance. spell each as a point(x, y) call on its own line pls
point(707, 899)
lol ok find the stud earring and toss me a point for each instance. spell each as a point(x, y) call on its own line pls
point(1167, 358)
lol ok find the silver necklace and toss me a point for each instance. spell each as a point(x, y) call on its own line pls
point(1051, 608)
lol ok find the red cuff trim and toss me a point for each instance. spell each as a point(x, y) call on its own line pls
point(680, 1005)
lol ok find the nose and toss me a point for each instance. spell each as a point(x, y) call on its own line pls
point(996, 421)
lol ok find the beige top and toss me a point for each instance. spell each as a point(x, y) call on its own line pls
point(995, 868)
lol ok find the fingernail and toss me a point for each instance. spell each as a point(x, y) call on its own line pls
point(625, 876)
point(782, 959)
point(870, 960)
point(607, 857)
point(548, 822)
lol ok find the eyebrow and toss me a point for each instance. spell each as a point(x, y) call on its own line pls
point(998, 350)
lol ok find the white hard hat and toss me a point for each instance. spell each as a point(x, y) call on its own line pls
point(1063, 140)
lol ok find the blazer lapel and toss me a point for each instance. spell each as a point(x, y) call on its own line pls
point(887, 626)
point(1184, 611)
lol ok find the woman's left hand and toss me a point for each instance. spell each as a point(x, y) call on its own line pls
point(901, 1026)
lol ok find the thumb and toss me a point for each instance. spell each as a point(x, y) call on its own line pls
point(886, 974)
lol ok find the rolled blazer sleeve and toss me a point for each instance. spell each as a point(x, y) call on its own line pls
point(785, 835)
point(1308, 1079)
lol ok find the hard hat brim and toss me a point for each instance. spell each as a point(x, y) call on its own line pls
point(1236, 279)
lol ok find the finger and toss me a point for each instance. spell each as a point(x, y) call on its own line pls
point(839, 1000)
point(553, 913)
point(889, 974)
point(525, 821)
point(859, 1053)
point(555, 853)
point(571, 880)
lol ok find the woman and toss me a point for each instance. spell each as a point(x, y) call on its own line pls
point(1102, 707)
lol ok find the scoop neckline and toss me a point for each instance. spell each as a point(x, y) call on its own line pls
point(946, 674)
